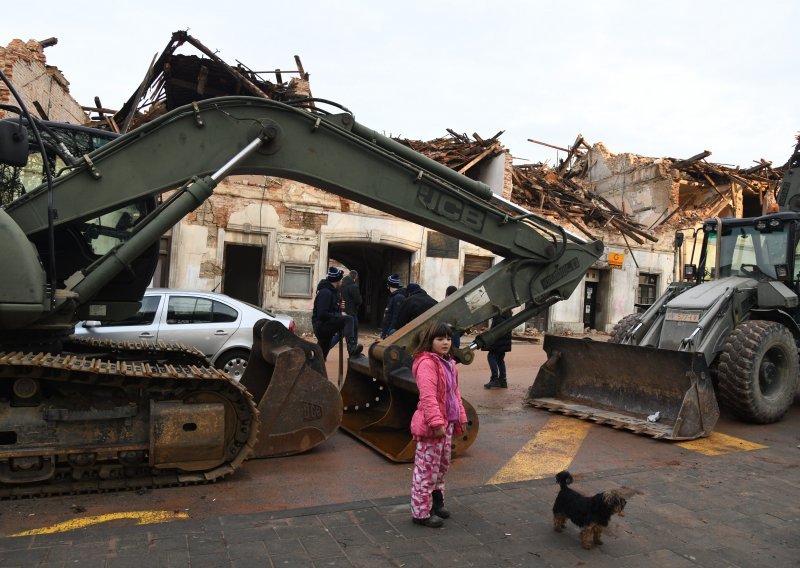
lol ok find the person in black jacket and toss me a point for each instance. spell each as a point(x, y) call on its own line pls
point(327, 318)
point(351, 295)
point(496, 355)
point(417, 301)
point(397, 295)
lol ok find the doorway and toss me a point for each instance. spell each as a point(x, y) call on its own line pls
point(373, 263)
point(242, 276)
point(589, 305)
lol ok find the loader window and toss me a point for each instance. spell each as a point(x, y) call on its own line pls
point(752, 254)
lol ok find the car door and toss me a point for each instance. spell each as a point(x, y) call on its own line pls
point(198, 321)
point(142, 326)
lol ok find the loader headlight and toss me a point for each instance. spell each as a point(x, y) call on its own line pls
point(689, 271)
point(782, 271)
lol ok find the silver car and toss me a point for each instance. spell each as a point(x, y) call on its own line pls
point(218, 325)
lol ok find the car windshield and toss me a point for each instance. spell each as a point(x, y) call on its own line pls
point(746, 251)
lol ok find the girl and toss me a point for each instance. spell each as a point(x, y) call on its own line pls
point(439, 415)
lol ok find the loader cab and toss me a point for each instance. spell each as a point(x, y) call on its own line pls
point(762, 248)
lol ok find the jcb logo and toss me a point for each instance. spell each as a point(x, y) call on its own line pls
point(452, 208)
point(311, 411)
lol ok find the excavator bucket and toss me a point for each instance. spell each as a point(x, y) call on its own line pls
point(379, 402)
point(299, 407)
point(654, 392)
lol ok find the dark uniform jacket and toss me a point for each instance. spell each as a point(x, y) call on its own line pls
point(351, 296)
point(326, 311)
point(416, 303)
point(503, 344)
point(392, 310)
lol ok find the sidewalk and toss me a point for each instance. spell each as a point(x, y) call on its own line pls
point(736, 510)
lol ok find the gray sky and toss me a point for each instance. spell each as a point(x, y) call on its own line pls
point(653, 78)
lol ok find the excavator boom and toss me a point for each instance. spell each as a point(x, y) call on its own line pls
point(187, 152)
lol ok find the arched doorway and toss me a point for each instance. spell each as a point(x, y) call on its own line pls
point(374, 263)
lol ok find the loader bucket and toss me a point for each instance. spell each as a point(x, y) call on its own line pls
point(380, 399)
point(299, 407)
point(621, 385)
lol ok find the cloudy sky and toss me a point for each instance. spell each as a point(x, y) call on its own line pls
point(653, 78)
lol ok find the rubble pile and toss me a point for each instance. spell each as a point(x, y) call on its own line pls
point(457, 151)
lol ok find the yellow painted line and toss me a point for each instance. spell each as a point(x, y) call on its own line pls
point(141, 517)
point(550, 451)
point(717, 444)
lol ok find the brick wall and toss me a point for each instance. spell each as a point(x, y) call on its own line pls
point(25, 64)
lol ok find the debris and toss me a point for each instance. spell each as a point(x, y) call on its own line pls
point(654, 417)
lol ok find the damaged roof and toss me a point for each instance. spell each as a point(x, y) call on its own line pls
point(564, 190)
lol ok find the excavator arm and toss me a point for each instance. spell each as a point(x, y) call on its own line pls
point(189, 150)
point(192, 148)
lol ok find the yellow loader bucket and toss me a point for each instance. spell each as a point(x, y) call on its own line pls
point(299, 407)
point(623, 385)
point(380, 399)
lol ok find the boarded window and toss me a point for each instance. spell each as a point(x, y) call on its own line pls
point(442, 246)
point(296, 281)
point(475, 265)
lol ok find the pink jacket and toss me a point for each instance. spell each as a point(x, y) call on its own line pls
point(432, 385)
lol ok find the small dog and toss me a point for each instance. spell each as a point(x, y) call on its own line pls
point(591, 514)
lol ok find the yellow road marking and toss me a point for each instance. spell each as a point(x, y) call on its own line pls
point(142, 518)
point(717, 444)
point(549, 452)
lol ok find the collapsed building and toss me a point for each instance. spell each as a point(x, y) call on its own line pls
point(268, 240)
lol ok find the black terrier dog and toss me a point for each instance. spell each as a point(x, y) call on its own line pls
point(591, 514)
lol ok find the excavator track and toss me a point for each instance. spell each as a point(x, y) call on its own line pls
point(153, 352)
point(75, 424)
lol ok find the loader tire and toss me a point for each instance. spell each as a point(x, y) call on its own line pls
point(757, 371)
point(623, 326)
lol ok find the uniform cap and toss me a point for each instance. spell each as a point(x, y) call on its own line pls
point(334, 274)
point(411, 288)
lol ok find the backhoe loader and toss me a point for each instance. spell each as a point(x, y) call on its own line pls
point(82, 215)
point(727, 333)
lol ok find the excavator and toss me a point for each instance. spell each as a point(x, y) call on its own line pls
point(83, 211)
point(725, 334)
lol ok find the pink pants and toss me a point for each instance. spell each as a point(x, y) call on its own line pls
point(431, 462)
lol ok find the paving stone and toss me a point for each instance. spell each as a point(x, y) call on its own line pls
point(286, 548)
point(350, 535)
point(331, 562)
point(243, 550)
point(321, 546)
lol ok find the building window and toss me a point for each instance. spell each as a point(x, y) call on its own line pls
point(646, 294)
point(296, 281)
point(475, 265)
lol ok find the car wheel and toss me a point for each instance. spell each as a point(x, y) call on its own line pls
point(233, 362)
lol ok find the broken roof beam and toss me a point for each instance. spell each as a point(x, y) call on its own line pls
point(548, 145)
point(252, 87)
point(689, 161)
